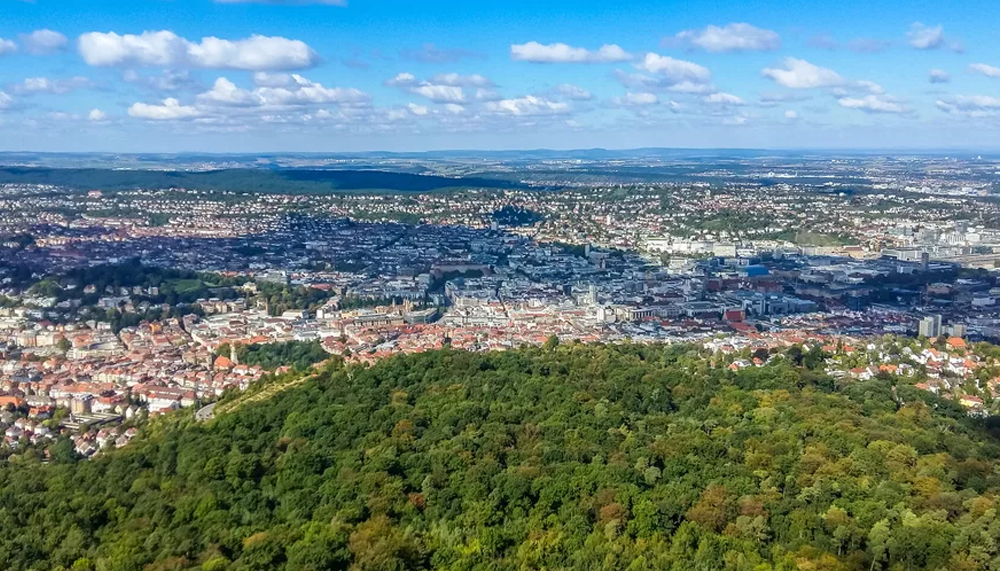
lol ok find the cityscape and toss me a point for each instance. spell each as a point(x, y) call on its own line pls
point(375, 285)
point(158, 286)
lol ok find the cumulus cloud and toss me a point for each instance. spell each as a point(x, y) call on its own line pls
point(562, 53)
point(418, 109)
point(674, 69)
point(44, 42)
point(443, 88)
point(938, 76)
point(724, 99)
point(6, 101)
point(872, 104)
point(736, 37)
point(669, 74)
point(664, 83)
point(970, 105)
point(791, 114)
point(299, 91)
point(170, 110)
point(440, 93)
point(800, 74)
point(923, 37)
point(7, 47)
point(33, 85)
point(474, 80)
point(631, 99)
point(166, 49)
point(870, 86)
point(97, 116)
point(985, 69)
point(487, 95)
point(527, 105)
point(571, 91)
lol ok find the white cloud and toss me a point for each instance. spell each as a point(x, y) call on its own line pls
point(454, 109)
point(299, 91)
point(871, 87)
point(6, 101)
point(791, 114)
point(971, 105)
point(563, 53)
point(167, 49)
point(735, 37)
point(417, 109)
point(43, 42)
point(924, 37)
point(440, 93)
point(170, 110)
point(938, 76)
point(872, 104)
point(436, 92)
point(97, 116)
point(724, 99)
point(800, 74)
point(33, 85)
point(571, 91)
point(527, 105)
point(984, 69)
point(7, 47)
point(487, 95)
point(455, 79)
point(402, 80)
point(674, 70)
point(636, 100)
point(664, 83)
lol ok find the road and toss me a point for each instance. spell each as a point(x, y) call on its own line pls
point(205, 413)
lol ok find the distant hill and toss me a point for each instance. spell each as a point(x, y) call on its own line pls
point(297, 181)
point(563, 457)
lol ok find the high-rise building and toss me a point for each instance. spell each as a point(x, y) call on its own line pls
point(930, 326)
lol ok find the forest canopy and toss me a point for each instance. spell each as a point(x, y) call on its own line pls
point(565, 457)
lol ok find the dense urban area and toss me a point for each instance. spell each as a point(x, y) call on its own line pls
point(120, 302)
point(404, 362)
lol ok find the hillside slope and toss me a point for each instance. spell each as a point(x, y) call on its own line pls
point(575, 457)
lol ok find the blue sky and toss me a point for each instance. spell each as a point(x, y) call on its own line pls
point(248, 76)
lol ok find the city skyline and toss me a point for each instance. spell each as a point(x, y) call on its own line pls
point(327, 76)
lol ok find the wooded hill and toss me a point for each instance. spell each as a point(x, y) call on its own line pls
point(565, 457)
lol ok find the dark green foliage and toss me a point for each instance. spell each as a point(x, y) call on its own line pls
point(290, 181)
point(569, 457)
point(299, 355)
